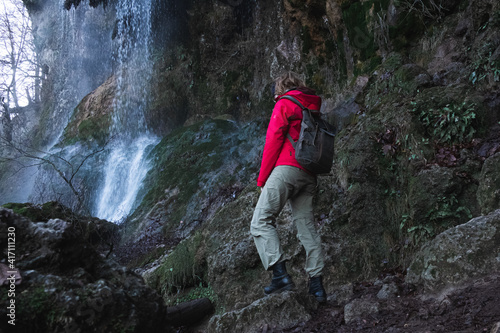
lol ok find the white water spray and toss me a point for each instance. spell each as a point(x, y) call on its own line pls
point(125, 170)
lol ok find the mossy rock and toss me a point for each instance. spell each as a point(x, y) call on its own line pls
point(39, 309)
point(410, 77)
point(92, 118)
point(41, 213)
point(282, 310)
point(182, 158)
point(96, 231)
point(435, 203)
point(457, 255)
point(450, 114)
point(488, 193)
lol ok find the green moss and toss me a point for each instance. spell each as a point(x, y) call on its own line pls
point(182, 268)
point(357, 28)
point(306, 39)
point(368, 66)
point(201, 291)
point(341, 59)
point(393, 61)
point(88, 130)
point(96, 128)
point(181, 160)
point(38, 310)
point(359, 18)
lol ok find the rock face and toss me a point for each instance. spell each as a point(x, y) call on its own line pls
point(68, 286)
point(470, 250)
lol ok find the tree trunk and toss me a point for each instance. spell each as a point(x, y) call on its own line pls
point(8, 122)
point(37, 83)
point(189, 313)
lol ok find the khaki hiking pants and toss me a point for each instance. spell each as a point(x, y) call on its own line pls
point(287, 183)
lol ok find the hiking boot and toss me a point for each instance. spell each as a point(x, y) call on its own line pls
point(281, 280)
point(316, 288)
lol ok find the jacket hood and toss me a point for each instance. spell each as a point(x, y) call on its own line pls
point(306, 96)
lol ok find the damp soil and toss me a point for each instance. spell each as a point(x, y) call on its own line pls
point(473, 307)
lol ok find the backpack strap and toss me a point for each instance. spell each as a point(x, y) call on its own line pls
point(293, 99)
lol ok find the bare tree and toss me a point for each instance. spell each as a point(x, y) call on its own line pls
point(19, 69)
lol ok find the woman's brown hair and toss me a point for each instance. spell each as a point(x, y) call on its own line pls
point(288, 81)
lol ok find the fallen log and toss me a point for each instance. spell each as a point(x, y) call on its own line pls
point(189, 313)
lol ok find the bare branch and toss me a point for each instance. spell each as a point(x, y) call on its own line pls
point(40, 158)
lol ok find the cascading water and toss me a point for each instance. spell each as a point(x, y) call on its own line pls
point(124, 172)
point(126, 166)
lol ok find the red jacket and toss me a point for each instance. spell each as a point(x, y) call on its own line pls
point(286, 117)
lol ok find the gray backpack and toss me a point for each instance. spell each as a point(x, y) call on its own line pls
point(314, 148)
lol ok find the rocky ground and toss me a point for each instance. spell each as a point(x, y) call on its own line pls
point(474, 307)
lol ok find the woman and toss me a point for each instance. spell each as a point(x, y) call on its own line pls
point(282, 179)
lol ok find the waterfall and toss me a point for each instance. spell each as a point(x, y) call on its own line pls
point(80, 49)
point(124, 172)
point(126, 166)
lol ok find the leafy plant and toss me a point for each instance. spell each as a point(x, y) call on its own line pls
point(419, 233)
point(439, 218)
point(446, 208)
point(483, 68)
point(200, 291)
point(484, 64)
point(449, 124)
point(181, 269)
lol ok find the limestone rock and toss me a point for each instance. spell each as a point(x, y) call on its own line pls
point(470, 250)
point(275, 311)
point(358, 308)
point(388, 290)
